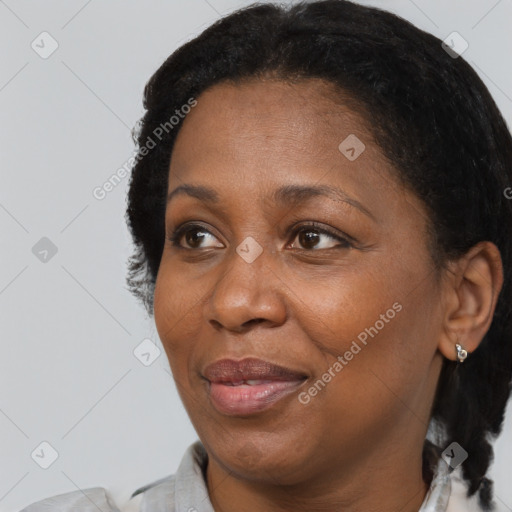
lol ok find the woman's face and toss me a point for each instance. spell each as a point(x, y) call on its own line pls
point(351, 306)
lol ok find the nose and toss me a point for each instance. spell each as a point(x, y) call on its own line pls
point(247, 294)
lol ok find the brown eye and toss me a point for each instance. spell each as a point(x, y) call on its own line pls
point(193, 234)
point(311, 237)
point(193, 237)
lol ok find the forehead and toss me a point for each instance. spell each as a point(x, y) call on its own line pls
point(261, 126)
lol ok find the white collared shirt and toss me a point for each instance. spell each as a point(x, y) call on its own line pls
point(186, 491)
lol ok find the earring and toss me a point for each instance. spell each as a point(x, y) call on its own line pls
point(461, 353)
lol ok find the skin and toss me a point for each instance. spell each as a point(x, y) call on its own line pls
point(357, 444)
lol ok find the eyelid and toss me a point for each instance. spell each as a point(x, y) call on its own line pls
point(313, 225)
point(175, 235)
point(344, 239)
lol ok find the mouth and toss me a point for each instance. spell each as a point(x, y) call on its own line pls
point(249, 386)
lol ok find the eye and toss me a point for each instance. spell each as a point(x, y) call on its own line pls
point(194, 235)
point(310, 237)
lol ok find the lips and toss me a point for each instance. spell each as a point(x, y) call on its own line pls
point(231, 371)
point(250, 385)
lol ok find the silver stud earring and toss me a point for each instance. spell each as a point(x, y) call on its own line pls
point(461, 353)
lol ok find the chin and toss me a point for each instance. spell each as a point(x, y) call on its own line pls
point(271, 461)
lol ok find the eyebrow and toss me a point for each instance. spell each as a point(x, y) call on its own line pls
point(286, 195)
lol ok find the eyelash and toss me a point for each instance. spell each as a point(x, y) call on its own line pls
point(345, 241)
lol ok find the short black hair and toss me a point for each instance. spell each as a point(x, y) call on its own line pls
point(432, 117)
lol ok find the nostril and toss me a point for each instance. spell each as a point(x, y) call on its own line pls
point(254, 321)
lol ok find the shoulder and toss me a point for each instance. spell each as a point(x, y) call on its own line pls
point(155, 497)
point(158, 496)
point(459, 500)
point(178, 491)
point(85, 500)
point(181, 490)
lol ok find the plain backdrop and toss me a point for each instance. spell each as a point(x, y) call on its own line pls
point(69, 327)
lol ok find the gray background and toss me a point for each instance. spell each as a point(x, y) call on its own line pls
point(68, 325)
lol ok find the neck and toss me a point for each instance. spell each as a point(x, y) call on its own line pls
point(385, 483)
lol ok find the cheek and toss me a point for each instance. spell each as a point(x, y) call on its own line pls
point(177, 308)
point(386, 346)
point(381, 325)
point(339, 309)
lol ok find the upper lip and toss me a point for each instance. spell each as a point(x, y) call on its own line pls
point(230, 370)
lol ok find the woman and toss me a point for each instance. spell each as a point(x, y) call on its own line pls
point(319, 212)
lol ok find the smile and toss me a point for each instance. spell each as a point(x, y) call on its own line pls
point(251, 396)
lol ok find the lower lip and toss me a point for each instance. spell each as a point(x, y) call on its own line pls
point(245, 399)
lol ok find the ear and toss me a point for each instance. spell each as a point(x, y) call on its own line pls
point(471, 293)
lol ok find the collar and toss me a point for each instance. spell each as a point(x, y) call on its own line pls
point(440, 490)
point(187, 490)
